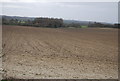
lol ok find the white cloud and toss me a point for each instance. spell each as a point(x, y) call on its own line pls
point(106, 12)
point(14, 6)
point(59, 0)
point(18, 0)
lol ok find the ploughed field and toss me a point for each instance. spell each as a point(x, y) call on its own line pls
point(62, 53)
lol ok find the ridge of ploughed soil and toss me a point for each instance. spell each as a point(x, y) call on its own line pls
point(62, 53)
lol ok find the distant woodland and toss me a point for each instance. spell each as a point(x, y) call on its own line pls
point(52, 22)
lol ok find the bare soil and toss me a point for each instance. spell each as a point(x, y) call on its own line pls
point(62, 53)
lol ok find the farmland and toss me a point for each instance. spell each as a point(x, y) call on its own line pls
point(70, 53)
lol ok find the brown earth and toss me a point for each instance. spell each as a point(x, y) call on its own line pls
point(67, 53)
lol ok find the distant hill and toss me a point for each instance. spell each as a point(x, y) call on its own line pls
point(18, 18)
point(83, 22)
point(68, 22)
point(77, 22)
point(32, 18)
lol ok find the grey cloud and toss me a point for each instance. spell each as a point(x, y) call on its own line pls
point(94, 11)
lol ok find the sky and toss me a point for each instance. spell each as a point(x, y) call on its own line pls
point(84, 11)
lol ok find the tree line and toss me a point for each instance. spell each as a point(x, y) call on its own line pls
point(37, 22)
point(52, 22)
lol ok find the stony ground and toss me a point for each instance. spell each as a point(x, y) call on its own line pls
point(69, 53)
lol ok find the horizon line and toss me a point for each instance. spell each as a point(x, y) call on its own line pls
point(60, 18)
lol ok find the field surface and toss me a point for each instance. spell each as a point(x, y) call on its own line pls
point(69, 53)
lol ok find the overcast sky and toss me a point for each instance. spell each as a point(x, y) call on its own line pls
point(84, 11)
